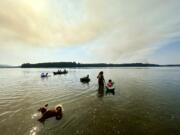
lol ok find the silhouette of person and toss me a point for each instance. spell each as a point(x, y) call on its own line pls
point(101, 83)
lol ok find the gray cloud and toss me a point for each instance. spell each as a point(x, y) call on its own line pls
point(113, 29)
point(29, 23)
point(139, 28)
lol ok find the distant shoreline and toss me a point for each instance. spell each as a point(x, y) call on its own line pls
point(80, 65)
point(90, 65)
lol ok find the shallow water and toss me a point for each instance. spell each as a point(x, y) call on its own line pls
point(146, 102)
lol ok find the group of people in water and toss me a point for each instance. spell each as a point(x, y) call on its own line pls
point(101, 83)
point(43, 75)
point(59, 70)
point(57, 112)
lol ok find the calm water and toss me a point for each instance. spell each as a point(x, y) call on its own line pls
point(146, 102)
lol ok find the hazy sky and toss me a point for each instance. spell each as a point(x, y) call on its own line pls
point(111, 31)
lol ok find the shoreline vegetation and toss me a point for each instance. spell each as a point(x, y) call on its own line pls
point(82, 65)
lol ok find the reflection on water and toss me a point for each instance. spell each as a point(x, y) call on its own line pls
point(100, 92)
point(146, 102)
point(34, 131)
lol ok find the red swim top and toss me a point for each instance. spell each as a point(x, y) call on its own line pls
point(110, 84)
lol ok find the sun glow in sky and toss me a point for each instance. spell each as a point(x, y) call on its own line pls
point(111, 31)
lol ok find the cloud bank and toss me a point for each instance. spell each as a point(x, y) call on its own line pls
point(44, 22)
point(112, 29)
point(139, 28)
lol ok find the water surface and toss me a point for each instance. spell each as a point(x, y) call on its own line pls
point(146, 102)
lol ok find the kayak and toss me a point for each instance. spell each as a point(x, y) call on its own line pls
point(59, 73)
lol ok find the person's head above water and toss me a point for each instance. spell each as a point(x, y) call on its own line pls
point(101, 73)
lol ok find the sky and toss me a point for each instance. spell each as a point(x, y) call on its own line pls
point(87, 31)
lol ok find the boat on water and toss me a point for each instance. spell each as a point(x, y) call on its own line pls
point(110, 90)
point(85, 79)
point(60, 72)
point(44, 75)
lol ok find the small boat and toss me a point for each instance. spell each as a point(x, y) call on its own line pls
point(110, 90)
point(85, 79)
point(44, 75)
point(60, 72)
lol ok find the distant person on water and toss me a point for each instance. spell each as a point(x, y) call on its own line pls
point(101, 80)
point(42, 75)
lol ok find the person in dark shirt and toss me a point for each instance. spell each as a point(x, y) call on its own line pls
point(101, 81)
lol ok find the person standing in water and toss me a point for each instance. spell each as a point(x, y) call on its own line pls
point(101, 81)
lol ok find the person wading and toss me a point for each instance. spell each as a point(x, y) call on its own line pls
point(101, 81)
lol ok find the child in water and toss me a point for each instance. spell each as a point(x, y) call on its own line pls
point(110, 84)
point(110, 87)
